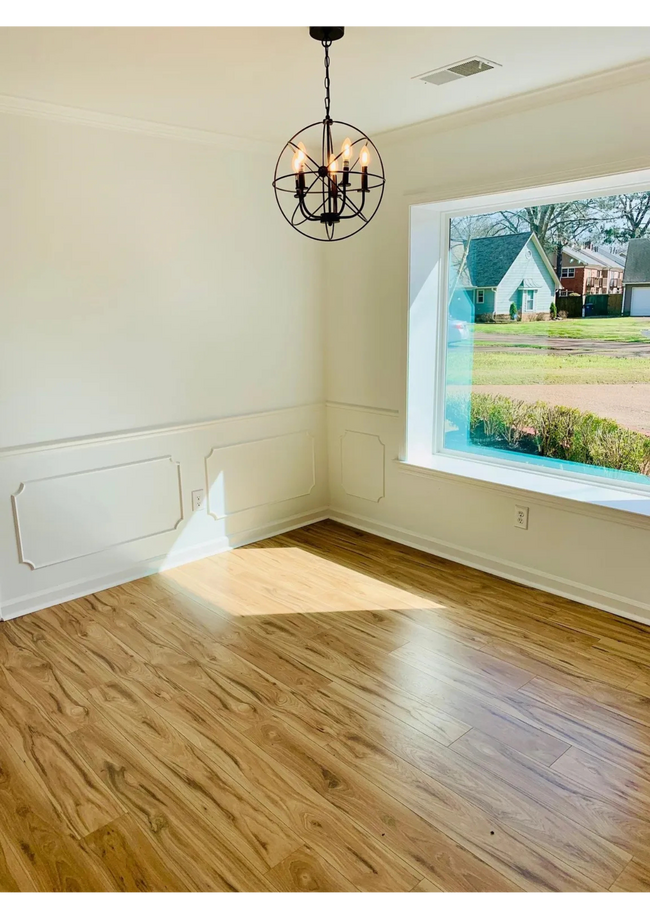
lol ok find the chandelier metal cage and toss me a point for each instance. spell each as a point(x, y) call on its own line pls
point(324, 194)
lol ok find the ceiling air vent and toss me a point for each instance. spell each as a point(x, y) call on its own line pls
point(458, 71)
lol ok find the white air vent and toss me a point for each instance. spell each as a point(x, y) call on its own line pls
point(457, 71)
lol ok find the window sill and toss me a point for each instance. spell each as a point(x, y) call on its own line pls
point(621, 505)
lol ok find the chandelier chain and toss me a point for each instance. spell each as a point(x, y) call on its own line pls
point(326, 46)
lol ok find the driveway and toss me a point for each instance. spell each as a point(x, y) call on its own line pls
point(626, 403)
point(504, 344)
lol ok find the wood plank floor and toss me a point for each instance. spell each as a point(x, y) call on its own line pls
point(324, 710)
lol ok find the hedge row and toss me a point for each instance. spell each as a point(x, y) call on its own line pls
point(554, 431)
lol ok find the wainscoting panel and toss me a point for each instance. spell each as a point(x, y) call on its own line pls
point(247, 475)
point(362, 465)
point(80, 515)
point(64, 517)
point(570, 549)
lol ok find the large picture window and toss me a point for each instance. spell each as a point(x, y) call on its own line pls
point(537, 364)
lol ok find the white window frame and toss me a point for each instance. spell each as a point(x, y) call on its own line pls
point(570, 273)
point(480, 296)
point(425, 398)
point(529, 297)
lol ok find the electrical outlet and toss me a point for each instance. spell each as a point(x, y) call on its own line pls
point(521, 517)
point(198, 497)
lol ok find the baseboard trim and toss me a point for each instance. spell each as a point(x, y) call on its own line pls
point(530, 577)
point(72, 591)
point(520, 574)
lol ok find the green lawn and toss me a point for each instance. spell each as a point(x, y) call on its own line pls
point(517, 368)
point(627, 329)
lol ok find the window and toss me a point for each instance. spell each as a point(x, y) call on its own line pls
point(504, 391)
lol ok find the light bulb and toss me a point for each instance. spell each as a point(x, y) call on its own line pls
point(345, 148)
point(333, 166)
point(364, 159)
point(299, 157)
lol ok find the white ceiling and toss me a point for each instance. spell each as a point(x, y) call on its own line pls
point(266, 83)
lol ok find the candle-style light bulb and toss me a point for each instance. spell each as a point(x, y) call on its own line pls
point(333, 169)
point(298, 163)
point(364, 159)
point(299, 158)
point(345, 156)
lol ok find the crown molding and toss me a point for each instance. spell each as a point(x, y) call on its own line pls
point(636, 72)
point(33, 108)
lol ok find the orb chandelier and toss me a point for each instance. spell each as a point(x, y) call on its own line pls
point(329, 178)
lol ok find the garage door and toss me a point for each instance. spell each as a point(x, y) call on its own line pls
point(640, 304)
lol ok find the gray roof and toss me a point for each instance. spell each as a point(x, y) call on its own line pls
point(616, 257)
point(600, 258)
point(637, 266)
point(489, 257)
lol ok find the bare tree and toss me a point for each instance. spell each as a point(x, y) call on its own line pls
point(629, 216)
point(473, 226)
point(553, 224)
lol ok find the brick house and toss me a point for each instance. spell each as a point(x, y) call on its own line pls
point(590, 271)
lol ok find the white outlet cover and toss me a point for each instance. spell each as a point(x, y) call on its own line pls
point(198, 498)
point(521, 517)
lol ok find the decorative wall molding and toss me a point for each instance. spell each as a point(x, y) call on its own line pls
point(636, 72)
point(363, 466)
point(81, 588)
point(91, 507)
point(33, 108)
point(144, 433)
point(366, 409)
point(260, 472)
point(531, 577)
point(60, 511)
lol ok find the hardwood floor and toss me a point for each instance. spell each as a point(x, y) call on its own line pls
point(324, 710)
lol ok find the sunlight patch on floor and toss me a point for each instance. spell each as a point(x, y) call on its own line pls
point(287, 581)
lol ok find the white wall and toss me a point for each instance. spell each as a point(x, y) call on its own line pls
point(162, 331)
point(600, 556)
point(147, 284)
